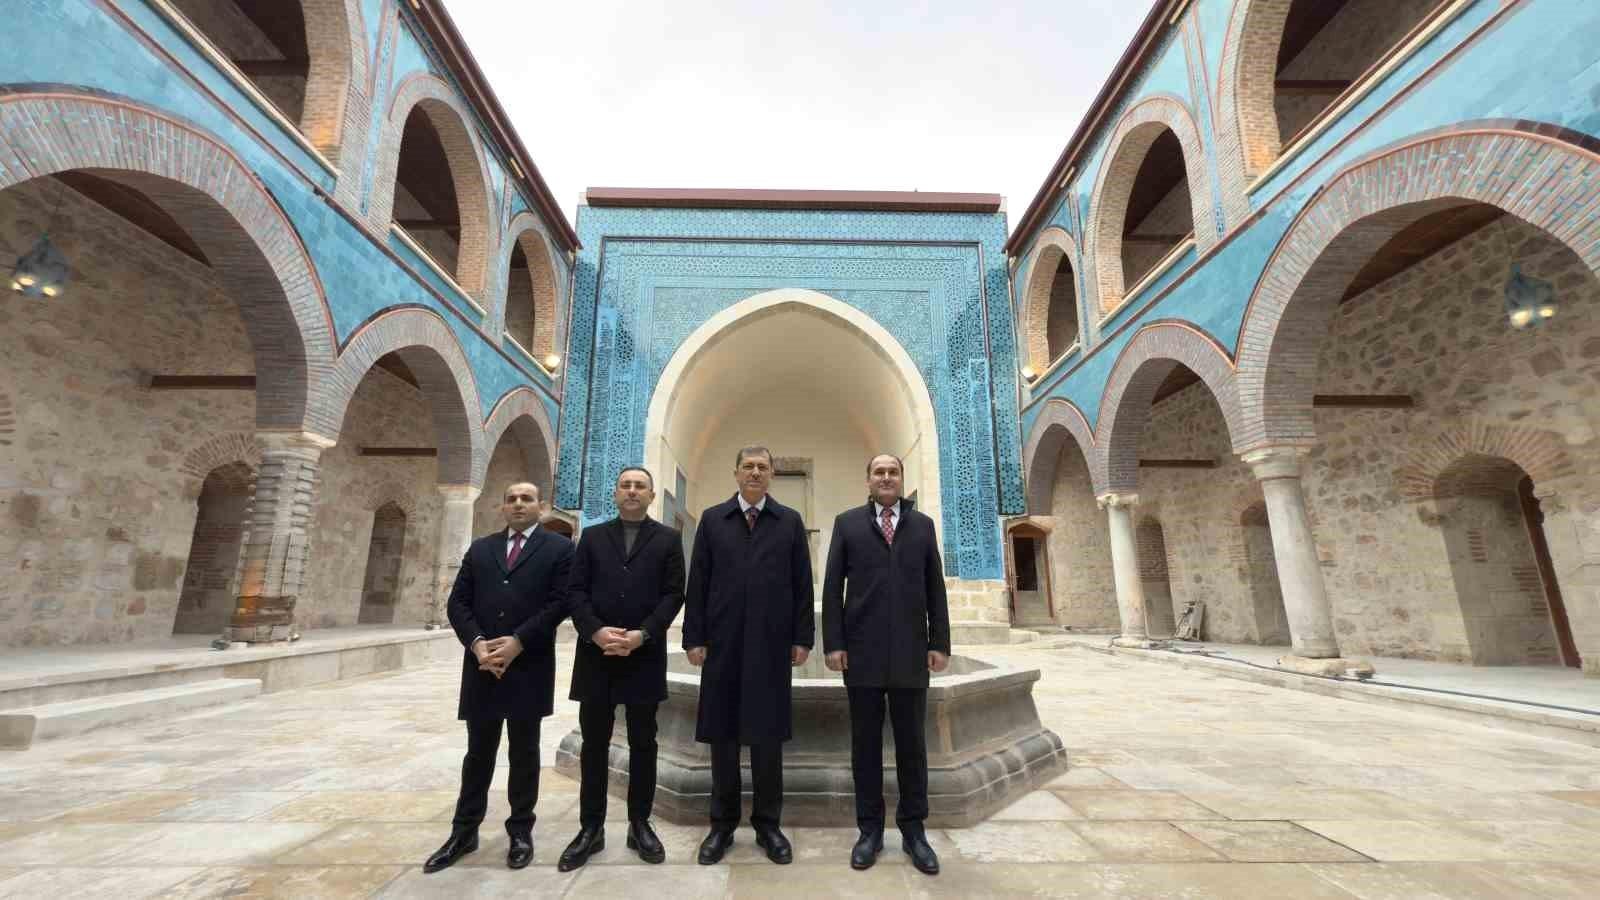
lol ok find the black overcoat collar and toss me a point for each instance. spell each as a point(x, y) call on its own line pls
point(871, 512)
point(528, 546)
point(769, 508)
point(647, 530)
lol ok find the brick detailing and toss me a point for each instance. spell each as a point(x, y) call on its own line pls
point(336, 44)
point(8, 419)
point(1247, 123)
point(1469, 458)
point(235, 446)
point(537, 297)
point(1059, 422)
point(276, 548)
point(1161, 618)
point(1543, 180)
point(392, 493)
point(430, 350)
point(1140, 369)
point(1108, 209)
point(450, 119)
point(1051, 298)
point(256, 254)
point(522, 414)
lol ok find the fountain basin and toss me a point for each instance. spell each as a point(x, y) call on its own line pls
point(986, 747)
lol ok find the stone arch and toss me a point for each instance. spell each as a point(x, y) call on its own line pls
point(719, 326)
point(543, 269)
point(521, 412)
point(1053, 248)
point(431, 351)
point(391, 493)
point(1058, 421)
point(1140, 369)
point(1127, 146)
point(468, 168)
point(1542, 179)
point(252, 245)
point(233, 446)
point(1539, 453)
point(336, 46)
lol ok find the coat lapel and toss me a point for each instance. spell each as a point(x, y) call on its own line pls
point(647, 530)
point(500, 551)
point(529, 546)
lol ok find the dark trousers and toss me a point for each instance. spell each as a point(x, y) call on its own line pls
point(766, 781)
point(908, 711)
point(477, 772)
point(596, 721)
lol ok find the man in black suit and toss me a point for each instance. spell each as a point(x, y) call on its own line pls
point(626, 588)
point(748, 621)
point(886, 633)
point(506, 602)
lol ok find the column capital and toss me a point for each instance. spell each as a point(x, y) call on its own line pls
point(293, 440)
point(1114, 500)
point(461, 492)
point(1275, 462)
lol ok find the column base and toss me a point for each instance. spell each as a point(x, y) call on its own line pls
point(1332, 667)
point(1134, 643)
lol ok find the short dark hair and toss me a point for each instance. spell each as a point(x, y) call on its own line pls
point(752, 450)
point(897, 459)
point(626, 469)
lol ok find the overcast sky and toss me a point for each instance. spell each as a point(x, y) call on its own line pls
point(864, 95)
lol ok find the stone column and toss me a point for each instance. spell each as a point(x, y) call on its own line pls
point(455, 533)
point(276, 545)
point(1125, 568)
point(1305, 598)
point(1572, 531)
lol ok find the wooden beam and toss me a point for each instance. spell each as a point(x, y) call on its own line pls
point(1364, 401)
point(1177, 464)
point(427, 225)
point(1308, 86)
point(267, 68)
point(202, 383)
point(399, 451)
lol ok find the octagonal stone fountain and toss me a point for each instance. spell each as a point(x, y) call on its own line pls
point(986, 747)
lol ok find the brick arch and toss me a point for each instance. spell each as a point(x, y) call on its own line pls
point(1247, 118)
point(336, 45)
point(233, 446)
point(1129, 142)
point(430, 350)
point(1544, 180)
point(1458, 451)
point(394, 493)
point(1053, 246)
point(1058, 422)
point(468, 168)
point(1141, 367)
point(522, 413)
point(254, 250)
point(526, 230)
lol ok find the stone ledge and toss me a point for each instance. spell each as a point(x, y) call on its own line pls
point(19, 728)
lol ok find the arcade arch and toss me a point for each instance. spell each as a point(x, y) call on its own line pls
point(1077, 549)
point(1053, 325)
point(531, 304)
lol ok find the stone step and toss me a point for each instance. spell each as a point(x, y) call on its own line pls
point(19, 728)
point(1023, 636)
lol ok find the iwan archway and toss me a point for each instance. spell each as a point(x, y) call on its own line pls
point(818, 381)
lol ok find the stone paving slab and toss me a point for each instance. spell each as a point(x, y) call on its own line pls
point(1183, 784)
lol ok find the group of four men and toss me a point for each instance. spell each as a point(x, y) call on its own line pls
point(748, 622)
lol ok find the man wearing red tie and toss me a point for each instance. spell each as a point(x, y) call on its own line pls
point(506, 602)
point(886, 632)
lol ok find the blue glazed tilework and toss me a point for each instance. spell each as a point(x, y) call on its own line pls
point(931, 297)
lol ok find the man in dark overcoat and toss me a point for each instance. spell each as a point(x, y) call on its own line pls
point(507, 599)
point(626, 589)
point(748, 621)
point(886, 625)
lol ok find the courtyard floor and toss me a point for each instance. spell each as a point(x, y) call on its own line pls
point(1182, 784)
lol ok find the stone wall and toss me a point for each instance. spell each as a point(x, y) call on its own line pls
point(1079, 545)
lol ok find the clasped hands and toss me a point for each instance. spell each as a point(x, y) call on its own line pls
point(496, 654)
point(618, 641)
point(797, 655)
point(839, 661)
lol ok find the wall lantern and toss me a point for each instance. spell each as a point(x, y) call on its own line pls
point(41, 272)
point(1029, 373)
point(1529, 300)
point(552, 361)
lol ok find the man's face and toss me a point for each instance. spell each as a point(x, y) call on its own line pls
point(520, 505)
point(753, 475)
point(883, 482)
point(633, 494)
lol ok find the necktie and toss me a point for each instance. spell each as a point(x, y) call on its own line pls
point(515, 551)
point(888, 526)
point(750, 517)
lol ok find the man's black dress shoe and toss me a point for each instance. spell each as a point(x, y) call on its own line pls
point(922, 855)
point(458, 846)
point(776, 845)
point(588, 842)
point(866, 850)
point(521, 852)
point(715, 844)
point(642, 837)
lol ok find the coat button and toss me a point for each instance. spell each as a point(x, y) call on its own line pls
point(502, 615)
point(507, 581)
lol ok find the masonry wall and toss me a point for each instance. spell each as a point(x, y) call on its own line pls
point(1081, 585)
